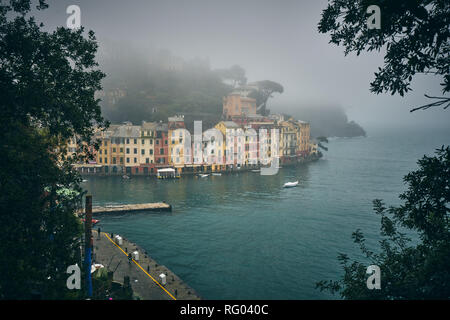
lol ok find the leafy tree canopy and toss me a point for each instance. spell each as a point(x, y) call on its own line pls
point(235, 74)
point(266, 88)
point(415, 34)
point(414, 252)
point(47, 85)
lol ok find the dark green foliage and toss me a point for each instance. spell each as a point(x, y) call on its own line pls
point(325, 120)
point(153, 92)
point(47, 85)
point(415, 34)
point(105, 288)
point(266, 88)
point(414, 253)
point(235, 74)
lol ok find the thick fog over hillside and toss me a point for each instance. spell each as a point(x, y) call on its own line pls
point(269, 39)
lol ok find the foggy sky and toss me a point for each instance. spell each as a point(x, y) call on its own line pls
point(271, 39)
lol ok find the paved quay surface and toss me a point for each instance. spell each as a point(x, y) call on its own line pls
point(144, 274)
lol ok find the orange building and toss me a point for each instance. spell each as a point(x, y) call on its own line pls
point(236, 105)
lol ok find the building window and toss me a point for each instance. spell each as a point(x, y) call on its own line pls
point(121, 160)
point(114, 160)
point(135, 160)
point(135, 150)
point(128, 141)
point(143, 141)
point(135, 141)
point(142, 151)
point(147, 160)
point(128, 160)
point(161, 151)
point(114, 150)
point(151, 151)
point(106, 160)
point(121, 150)
point(128, 150)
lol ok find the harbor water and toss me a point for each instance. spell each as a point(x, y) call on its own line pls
point(244, 236)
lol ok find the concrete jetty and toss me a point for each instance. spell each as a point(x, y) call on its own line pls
point(125, 208)
point(144, 273)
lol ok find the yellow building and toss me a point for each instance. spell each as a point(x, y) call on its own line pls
point(303, 138)
point(177, 136)
point(132, 146)
point(234, 143)
point(117, 150)
point(289, 131)
point(103, 155)
point(147, 151)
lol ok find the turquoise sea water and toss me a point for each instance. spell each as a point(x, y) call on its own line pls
point(243, 236)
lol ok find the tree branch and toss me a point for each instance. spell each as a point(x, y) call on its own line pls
point(441, 101)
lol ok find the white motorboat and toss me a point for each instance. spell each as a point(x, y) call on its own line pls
point(203, 175)
point(216, 174)
point(290, 184)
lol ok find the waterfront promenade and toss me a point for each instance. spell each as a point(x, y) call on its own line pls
point(144, 274)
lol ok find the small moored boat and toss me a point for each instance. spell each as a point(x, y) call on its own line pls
point(94, 221)
point(290, 184)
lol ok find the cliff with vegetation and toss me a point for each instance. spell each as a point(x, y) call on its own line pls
point(158, 85)
point(154, 88)
point(326, 121)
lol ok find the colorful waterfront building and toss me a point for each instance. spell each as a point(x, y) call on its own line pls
point(238, 105)
point(234, 138)
point(161, 146)
point(72, 147)
point(245, 143)
point(147, 150)
point(177, 136)
point(288, 141)
point(267, 142)
point(117, 141)
point(213, 149)
point(129, 135)
point(304, 145)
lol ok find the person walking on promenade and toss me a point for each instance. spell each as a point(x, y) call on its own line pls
point(99, 232)
point(129, 258)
